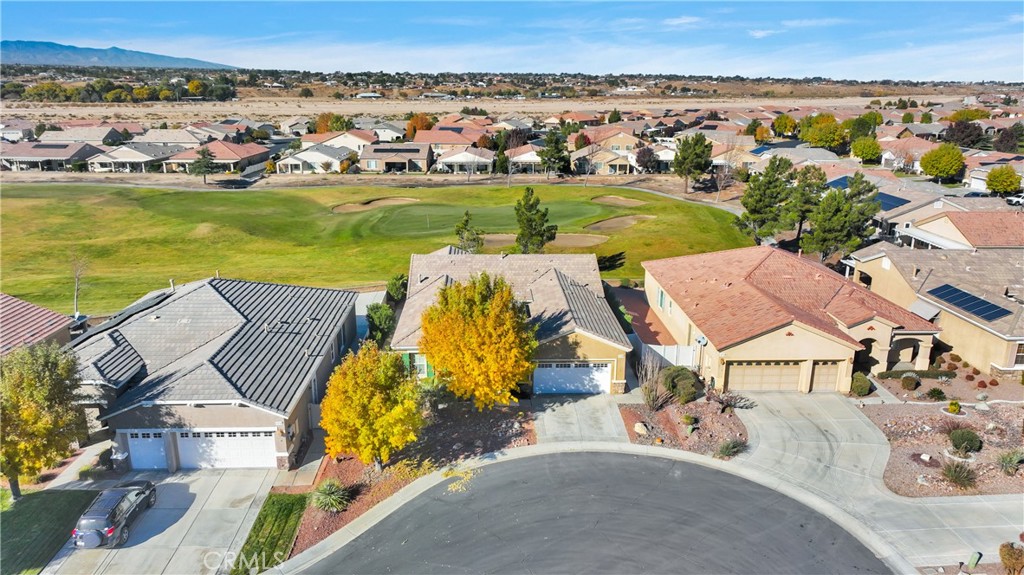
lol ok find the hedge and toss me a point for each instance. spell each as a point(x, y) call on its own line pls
point(922, 373)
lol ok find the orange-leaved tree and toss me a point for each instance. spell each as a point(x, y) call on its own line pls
point(479, 340)
point(371, 407)
point(418, 122)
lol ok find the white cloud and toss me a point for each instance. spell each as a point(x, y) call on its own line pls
point(814, 22)
point(758, 34)
point(1016, 18)
point(682, 21)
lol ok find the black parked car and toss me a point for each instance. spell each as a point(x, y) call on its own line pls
point(105, 523)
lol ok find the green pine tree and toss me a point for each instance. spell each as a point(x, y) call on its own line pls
point(534, 230)
point(693, 158)
point(763, 200)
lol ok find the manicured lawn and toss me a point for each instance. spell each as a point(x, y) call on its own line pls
point(35, 528)
point(137, 239)
point(272, 533)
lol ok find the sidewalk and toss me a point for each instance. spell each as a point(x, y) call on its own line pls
point(68, 478)
point(823, 444)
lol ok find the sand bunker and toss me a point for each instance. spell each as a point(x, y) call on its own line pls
point(561, 240)
point(371, 204)
point(617, 223)
point(619, 201)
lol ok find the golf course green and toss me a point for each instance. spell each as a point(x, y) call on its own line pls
point(136, 239)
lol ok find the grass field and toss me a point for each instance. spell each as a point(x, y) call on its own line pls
point(136, 239)
point(272, 534)
point(33, 529)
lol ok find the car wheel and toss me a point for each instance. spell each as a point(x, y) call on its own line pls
point(124, 536)
point(152, 499)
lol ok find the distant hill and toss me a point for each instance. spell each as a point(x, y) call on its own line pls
point(49, 53)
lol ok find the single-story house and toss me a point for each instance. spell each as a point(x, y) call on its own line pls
point(234, 133)
point(215, 373)
point(23, 323)
point(976, 297)
point(582, 348)
point(385, 131)
point(582, 118)
point(977, 178)
point(313, 159)
point(467, 160)
point(664, 154)
point(132, 157)
point(47, 157)
point(133, 128)
point(905, 154)
point(226, 155)
point(99, 136)
point(351, 139)
point(902, 208)
point(443, 140)
point(396, 157)
point(16, 130)
point(964, 230)
point(760, 318)
point(295, 126)
point(173, 137)
point(524, 159)
point(601, 161)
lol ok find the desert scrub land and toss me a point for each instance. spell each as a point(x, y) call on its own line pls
point(136, 239)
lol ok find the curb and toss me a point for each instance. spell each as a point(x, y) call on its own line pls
point(874, 542)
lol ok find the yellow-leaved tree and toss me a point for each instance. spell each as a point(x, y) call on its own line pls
point(371, 407)
point(479, 340)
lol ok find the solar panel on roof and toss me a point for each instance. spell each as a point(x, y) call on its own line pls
point(759, 150)
point(840, 183)
point(890, 202)
point(970, 303)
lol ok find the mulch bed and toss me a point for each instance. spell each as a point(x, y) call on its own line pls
point(913, 430)
point(667, 426)
point(454, 433)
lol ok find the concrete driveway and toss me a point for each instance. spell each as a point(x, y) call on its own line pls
point(822, 443)
point(199, 517)
point(602, 513)
point(578, 418)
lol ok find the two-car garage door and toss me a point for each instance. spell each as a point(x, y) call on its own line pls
point(572, 377)
point(202, 449)
point(763, 376)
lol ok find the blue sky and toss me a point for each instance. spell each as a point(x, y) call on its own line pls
point(872, 40)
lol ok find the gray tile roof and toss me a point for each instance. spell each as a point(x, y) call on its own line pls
point(120, 362)
point(563, 291)
point(218, 339)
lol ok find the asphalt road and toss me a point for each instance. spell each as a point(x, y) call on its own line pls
point(603, 513)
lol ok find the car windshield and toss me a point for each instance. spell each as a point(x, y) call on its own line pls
point(87, 523)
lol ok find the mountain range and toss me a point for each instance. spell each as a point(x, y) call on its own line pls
point(50, 53)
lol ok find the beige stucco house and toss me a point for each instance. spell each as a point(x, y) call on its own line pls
point(952, 288)
point(766, 319)
point(964, 230)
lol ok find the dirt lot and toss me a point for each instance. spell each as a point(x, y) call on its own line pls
point(278, 108)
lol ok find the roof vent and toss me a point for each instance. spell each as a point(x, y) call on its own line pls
point(154, 317)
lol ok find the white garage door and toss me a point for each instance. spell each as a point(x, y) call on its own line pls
point(573, 377)
point(220, 449)
point(763, 376)
point(825, 376)
point(147, 449)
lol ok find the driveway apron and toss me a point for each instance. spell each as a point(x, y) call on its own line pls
point(578, 418)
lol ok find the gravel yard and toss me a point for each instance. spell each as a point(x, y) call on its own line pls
point(964, 386)
point(667, 425)
point(914, 430)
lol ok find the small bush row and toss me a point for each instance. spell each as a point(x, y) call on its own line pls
point(920, 373)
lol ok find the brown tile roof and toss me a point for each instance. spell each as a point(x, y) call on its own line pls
point(366, 135)
point(736, 295)
point(1000, 229)
point(23, 323)
point(32, 151)
point(222, 150)
point(465, 138)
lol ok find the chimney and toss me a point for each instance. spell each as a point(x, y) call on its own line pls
point(172, 285)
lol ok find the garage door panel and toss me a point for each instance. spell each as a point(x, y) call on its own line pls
point(572, 377)
point(147, 449)
point(226, 449)
point(763, 376)
point(825, 376)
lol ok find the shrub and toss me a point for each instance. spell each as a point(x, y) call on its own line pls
point(936, 394)
point(965, 441)
point(909, 383)
point(955, 358)
point(920, 373)
point(965, 365)
point(969, 377)
point(397, 286)
point(975, 371)
point(960, 474)
point(945, 380)
point(689, 419)
point(950, 367)
point(655, 397)
point(681, 382)
point(626, 283)
point(1009, 461)
point(982, 384)
point(954, 407)
point(1012, 556)
point(947, 425)
point(861, 385)
point(85, 472)
point(730, 447)
point(331, 496)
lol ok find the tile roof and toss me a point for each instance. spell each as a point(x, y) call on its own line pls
point(222, 150)
point(988, 229)
point(465, 137)
point(34, 151)
point(217, 338)
point(23, 323)
point(79, 134)
point(564, 292)
point(739, 294)
point(170, 136)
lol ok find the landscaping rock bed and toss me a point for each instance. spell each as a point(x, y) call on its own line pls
point(456, 432)
point(667, 424)
point(914, 430)
point(964, 386)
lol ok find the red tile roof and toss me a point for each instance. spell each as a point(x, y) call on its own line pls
point(451, 137)
point(222, 150)
point(736, 295)
point(988, 229)
point(23, 323)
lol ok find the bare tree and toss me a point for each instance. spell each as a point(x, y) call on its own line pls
point(648, 370)
point(724, 171)
point(79, 265)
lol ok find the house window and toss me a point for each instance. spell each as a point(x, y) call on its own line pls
point(133, 435)
point(419, 361)
point(661, 298)
point(615, 147)
point(371, 164)
point(1018, 358)
point(543, 366)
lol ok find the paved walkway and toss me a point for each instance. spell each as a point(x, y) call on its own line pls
point(823, 444)
point(68, 478)
point(578, 418)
